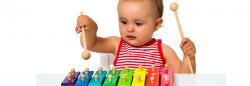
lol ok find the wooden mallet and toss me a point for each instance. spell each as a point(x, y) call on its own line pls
point(174, 7)
point(85, 54)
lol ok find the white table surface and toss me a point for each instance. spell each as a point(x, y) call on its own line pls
point(200, 80)
point(180, 79)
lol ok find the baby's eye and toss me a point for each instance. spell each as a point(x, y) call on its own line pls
point(139, 24)
point(123, 22)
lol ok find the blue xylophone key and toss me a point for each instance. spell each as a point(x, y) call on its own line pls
point(98, 78)
point(84, 78)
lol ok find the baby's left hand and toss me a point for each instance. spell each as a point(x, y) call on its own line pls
point(188, 47)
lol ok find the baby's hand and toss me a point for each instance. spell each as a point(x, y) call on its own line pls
point(188, 47)
point(83, 21)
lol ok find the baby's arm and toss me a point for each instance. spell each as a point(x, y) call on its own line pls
point(173, 60)
point(105, 45)
point(94, 43)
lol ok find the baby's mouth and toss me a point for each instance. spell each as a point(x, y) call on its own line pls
point(131, 37)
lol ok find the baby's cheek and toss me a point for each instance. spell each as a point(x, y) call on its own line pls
point(122, 32)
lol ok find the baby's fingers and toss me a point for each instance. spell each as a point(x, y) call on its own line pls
point(190, 53)
point(77, 29)
point(183, 42)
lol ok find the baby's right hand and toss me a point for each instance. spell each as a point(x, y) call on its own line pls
point(84, 21)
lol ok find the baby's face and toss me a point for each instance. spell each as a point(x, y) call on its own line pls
point(136, 21)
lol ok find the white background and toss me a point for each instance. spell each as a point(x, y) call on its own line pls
point(37, 36)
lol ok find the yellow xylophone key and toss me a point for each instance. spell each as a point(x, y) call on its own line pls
point(139, 76)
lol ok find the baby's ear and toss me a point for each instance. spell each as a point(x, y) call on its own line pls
point(158, 23)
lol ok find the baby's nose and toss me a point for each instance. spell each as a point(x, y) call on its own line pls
point(131, 28)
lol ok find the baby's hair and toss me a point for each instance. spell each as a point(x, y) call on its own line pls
point(158, 5)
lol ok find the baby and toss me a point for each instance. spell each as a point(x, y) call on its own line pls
point(138, 20)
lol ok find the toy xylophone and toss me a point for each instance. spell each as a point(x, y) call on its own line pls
point(126, 77)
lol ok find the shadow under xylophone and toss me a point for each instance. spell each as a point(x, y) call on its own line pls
point(126, 77)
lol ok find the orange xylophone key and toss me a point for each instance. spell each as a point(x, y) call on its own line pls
point(153, 76)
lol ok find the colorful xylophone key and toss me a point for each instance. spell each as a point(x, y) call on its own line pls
point(153, 76)
point(139, 76)
point(112, 78)
point(167, 76)
point(98, 78)
point(126, 77)
point(84, 78)
point(71, 78)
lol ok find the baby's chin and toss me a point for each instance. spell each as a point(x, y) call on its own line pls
point(134, 42)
